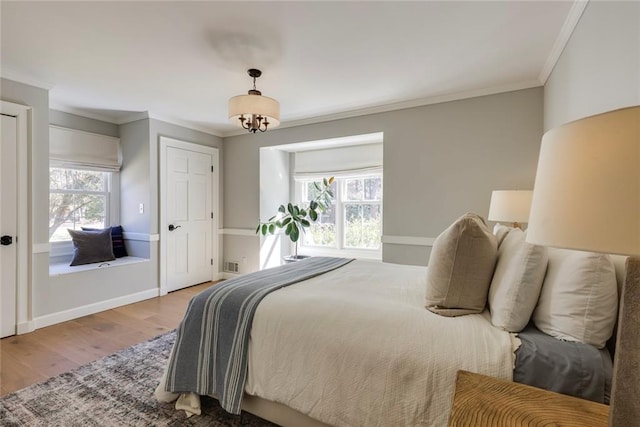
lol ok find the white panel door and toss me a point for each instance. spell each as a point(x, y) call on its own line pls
point(8, 226)
point(189, 218)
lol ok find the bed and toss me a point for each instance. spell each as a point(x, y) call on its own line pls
point(355, 346)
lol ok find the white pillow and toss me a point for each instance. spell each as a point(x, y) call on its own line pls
point(579, 297)
point(517, 280)
point(501, 231)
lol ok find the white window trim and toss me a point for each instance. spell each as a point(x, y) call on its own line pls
point(339, 249)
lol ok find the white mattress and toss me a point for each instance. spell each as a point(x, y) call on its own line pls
point(356, 347)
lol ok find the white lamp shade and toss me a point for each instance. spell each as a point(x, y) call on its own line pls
point(510, 206)
point(256, 105)
point(587, 189)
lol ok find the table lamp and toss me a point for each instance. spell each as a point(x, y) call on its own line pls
point(587, 197)
point(510, 206)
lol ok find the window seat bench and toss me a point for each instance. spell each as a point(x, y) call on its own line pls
point(82, 290)
point(60, 268)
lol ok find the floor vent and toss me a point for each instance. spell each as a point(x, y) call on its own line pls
point(231, 266)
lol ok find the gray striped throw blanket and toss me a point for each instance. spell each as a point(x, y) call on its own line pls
point(210, 353)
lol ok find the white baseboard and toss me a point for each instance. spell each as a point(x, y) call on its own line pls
point(226, 275)
point(25, 328)
point(85, 310)
point(214, 278)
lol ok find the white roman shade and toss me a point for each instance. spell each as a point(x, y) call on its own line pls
point(340, 162)
point(76, 149)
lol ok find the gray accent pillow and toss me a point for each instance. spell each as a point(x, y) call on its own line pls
point(91, 246)
point(461, 267)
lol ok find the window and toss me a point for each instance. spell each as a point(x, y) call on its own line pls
point(84, 183)
point(78, 198)
point(362, 205)
point(354, 221)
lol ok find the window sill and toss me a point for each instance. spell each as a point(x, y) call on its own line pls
point(59, 269)
point(345, 253)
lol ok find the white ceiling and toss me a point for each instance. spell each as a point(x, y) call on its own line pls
point(181, 61)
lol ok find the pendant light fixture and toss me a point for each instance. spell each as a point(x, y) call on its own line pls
point(253, 111)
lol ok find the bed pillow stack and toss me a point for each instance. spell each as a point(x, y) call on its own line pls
point(570, 295)
point(517, 279)
point(461, 266)
point(579, 297)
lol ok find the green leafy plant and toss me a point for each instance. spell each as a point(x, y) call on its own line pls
point(295, 218)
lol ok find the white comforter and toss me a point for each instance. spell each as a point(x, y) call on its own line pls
point(356, 347)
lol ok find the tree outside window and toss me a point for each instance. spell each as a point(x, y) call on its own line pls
point(77, 198)
point(354, 220)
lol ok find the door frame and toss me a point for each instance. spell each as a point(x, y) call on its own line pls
point(24, 312)
point(166, 142)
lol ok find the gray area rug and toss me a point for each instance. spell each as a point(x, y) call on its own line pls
point(116, 390)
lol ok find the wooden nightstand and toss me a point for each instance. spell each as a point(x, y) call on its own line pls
point(484, 401)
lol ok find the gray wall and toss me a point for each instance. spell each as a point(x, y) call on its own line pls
point(139, 184)
point(440, 161)
point(140, 181)
point(274, 191)
point(55, 294)
point(599, 69)
point(135, 179)
point(72, 121)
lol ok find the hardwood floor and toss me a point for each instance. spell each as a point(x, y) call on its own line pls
point(30, 358)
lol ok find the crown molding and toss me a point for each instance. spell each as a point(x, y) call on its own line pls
point(125, 118)
point(420, 102)
point(185, 124)
point(577, 8)
point(82, 113)
point(25, 79)
point(132, 117)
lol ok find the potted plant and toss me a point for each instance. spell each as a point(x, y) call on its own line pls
point(295, 218)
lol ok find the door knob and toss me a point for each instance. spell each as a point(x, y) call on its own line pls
point(173, 227)
point(6, 240)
